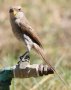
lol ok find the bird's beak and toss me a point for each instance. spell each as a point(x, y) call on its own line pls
point(15, 12)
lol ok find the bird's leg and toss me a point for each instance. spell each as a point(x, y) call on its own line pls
point(25, 57)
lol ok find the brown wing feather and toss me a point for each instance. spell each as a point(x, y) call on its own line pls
point(25, 27)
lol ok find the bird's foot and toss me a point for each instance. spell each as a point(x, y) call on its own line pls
point(24, 58)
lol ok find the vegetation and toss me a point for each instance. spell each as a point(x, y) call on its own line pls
point(52, 21)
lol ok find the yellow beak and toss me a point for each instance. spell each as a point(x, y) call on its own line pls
point(15, 12)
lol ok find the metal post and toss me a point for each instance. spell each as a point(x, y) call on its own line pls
point(5, 78)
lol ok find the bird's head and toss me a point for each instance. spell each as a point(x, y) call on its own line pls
point(16, 12)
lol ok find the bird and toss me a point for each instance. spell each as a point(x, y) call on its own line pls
point(25, 33)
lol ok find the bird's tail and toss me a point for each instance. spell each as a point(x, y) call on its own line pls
point(45, 58)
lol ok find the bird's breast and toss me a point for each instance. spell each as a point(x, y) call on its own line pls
point(17, 30)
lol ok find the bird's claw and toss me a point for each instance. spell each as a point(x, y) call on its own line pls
point(24, 58)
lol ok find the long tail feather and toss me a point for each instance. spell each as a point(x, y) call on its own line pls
point(41, 52)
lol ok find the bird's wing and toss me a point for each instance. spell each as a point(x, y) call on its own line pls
point(26, 28)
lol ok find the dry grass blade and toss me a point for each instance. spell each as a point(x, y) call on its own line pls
point(40, 83)
point(60, 77)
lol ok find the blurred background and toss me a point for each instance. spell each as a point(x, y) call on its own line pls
point(52, 21)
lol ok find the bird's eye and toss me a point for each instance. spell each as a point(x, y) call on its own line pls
point(19, 9)
point(11, 10)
